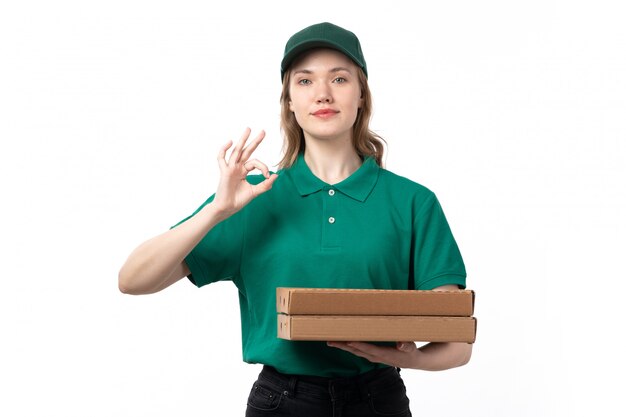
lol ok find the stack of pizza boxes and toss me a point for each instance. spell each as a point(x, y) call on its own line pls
point(326, 314)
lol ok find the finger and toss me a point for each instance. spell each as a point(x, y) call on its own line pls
point(368, 348)
point(406, 346)
point(235, 156)
point(264, 186)
point(248, 150)
point(221, 156)
point(338, 345)
point(370, 358)
point(361, 354)
point(375, 353)
point(348, 347)
point(255, 163)
point(344, 346)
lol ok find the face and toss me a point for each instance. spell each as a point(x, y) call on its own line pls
point(325, 94)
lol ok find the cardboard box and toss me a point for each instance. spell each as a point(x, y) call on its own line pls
point(327, 301)
point(377, 328)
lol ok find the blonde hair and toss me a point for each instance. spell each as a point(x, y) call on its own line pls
point(365, 142)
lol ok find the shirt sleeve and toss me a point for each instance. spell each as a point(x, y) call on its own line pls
point(436, 257)
point(217, 257)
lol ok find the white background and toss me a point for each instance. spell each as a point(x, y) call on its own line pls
point(111, 114)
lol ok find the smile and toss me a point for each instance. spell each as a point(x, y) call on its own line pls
point(325, 113)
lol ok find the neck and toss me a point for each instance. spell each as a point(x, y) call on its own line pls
point(331, 162)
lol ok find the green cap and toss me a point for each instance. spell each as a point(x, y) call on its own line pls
point(323, 35)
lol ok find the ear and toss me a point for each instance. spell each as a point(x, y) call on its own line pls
point(291, 106)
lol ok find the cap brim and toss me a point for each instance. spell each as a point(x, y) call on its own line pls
point(300, 48)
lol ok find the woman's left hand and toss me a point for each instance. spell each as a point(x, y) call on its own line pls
point(403, 355)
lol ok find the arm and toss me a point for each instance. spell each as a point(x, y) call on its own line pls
point(430, 357)
point(160, 261)
point(441, 356)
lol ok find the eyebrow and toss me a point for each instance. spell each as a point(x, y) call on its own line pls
point(336, 69)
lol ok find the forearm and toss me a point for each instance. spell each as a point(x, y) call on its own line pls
point(151, 264)
point(441, 356)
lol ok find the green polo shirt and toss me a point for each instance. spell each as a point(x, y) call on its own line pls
point(375, 229)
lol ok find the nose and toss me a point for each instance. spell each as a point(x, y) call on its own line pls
point(323, 94)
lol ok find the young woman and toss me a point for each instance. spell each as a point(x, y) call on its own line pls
point(330, 217)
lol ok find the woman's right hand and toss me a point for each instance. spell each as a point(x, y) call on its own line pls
point(234, 191)
point(160, 261)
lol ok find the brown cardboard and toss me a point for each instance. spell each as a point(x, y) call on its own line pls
point(328, 301)
point(377, 328)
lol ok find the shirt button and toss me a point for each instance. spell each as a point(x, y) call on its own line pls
point(331, 220)
point(331, 192)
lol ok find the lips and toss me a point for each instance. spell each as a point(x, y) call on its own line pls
point(325, 112)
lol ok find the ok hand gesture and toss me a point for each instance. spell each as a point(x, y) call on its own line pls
point(234, 191)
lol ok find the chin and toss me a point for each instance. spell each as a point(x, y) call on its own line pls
point(328, 134)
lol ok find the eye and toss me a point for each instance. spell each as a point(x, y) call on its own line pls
point(339, 80)
point(304, 81)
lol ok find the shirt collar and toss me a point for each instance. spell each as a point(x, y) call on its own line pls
point(358, 186)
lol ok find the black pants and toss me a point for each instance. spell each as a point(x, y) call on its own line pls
point(376, 393)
